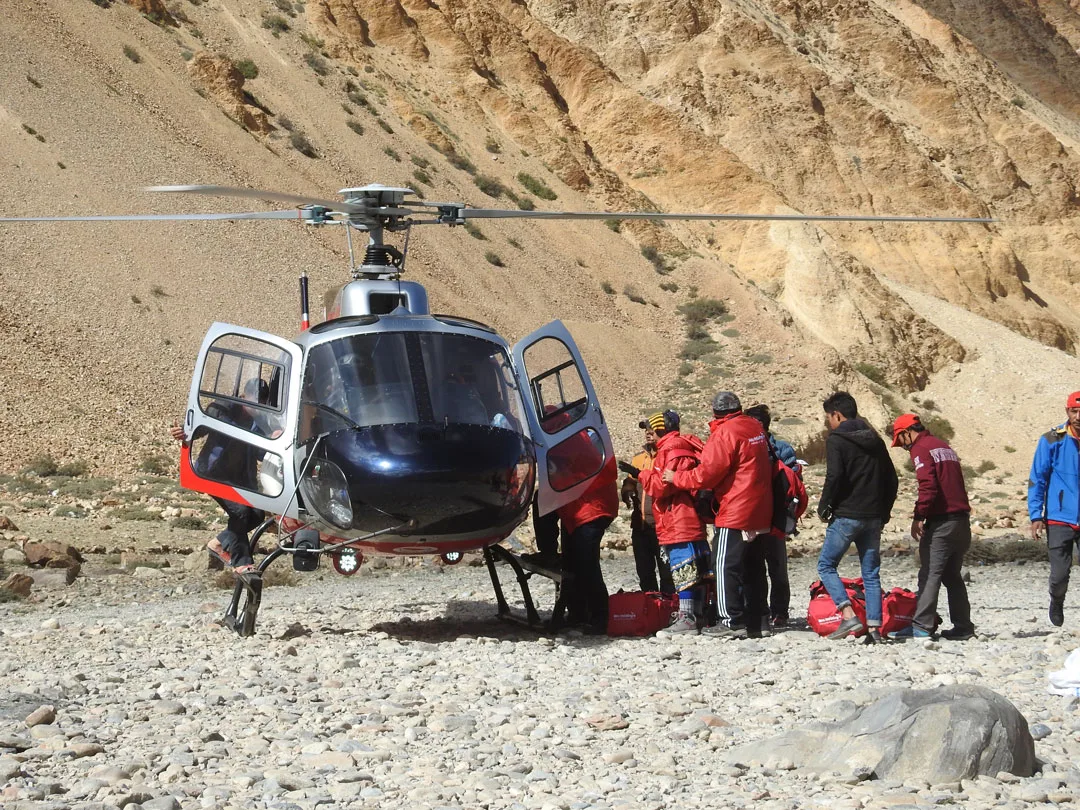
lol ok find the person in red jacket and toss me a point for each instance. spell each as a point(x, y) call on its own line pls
point(735, 465)
point(678, 528)
point(584, 522)
point(942, 528)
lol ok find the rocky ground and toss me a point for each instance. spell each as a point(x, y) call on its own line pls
point(399, 688)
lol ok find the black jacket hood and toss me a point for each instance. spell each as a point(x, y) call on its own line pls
point(859, 431)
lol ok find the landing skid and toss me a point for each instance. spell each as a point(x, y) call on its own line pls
point(243, 609)
point(524, 570)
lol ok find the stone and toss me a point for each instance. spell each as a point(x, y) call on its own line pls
point(13, 556)
point(934, 735)
point(55, 577)
point(41, 716)
point(18, 584)
point(50, 551)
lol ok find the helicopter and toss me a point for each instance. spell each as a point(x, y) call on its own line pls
point(386, 429)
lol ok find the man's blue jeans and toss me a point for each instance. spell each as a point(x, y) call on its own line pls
point(866, 535)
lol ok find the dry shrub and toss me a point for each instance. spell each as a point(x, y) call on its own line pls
point(1008, 548)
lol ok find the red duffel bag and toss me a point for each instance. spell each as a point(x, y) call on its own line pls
point(634, 613)
point(897, 610)
point(822, 615)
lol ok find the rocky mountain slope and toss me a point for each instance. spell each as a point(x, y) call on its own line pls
point(923, 107)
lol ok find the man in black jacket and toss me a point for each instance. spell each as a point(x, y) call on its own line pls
point(856, 500)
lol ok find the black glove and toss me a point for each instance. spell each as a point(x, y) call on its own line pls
point(629, 469)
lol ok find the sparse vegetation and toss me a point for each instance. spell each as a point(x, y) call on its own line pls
point(669, 286)
point(42, 465)
point(156, 465)
point(695, 349)
point(301, 144)
point(697, 331)
point(929, 405)
point(355, 126)
point(730, 333)
point(422, 177)
point(514, 243)
point(985, 467)
point(385, 126)
point(69, 511)
point(813, 450)
point(760, 359)
point(33, 81)
point(132, 54)
point(391, 153)
point(489, 185)
point(631, 292)
point(188, 522)
point(492, 145)
point(685, 369)
point(939, 426)
point(702, 310)
point(158, 291)
point(135, 511)
point(871, 372)
point(607, 287)
point(317, 63)
point(536, 187)
point(286, 123)
point(248, 69)
point(275, 24)
point(31, 131)
point(656, 258)
point(73, 469)
point(526, 203)
point(284, 5)
point(419, 161)
point(1009, 449)
point(493, 258)
point(613, 224)
point(472, 230)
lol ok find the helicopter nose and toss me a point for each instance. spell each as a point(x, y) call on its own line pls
point(452, 482)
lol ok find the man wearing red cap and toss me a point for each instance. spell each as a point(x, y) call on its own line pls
point(1054, 500)
point(942, 527)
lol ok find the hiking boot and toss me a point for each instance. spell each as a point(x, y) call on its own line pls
point(681, 624)
point(911, 631)
point(1057, 612)
point(723, 631)
point(958, 633)
point(779, 621)
point(848, 627)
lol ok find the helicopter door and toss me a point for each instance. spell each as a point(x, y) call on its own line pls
point(565, 421)
point(241, 417)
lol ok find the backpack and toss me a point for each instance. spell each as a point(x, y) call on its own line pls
point(789, 497)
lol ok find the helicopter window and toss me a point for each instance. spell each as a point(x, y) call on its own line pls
point(385, 303)
point(574, 460)
point(356, 381)
point(471, 382)
point(557, 387)
point(242, 371)
point(228, 460)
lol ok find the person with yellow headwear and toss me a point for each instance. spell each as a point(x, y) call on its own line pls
point(643, 538)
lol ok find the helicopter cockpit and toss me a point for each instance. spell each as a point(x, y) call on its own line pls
point(397, 378)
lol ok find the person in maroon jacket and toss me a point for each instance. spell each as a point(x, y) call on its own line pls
point(941, 526)
point(679, 529)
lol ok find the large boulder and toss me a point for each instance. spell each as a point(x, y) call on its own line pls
point(933, 735)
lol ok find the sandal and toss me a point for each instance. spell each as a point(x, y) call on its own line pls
point(215, 548)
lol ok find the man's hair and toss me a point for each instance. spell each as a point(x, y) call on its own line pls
point(762, 414)
point(843, 403)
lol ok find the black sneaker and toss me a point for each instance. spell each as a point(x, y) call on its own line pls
point(549, 561)
point(959, 633)
point(779, 621)
point(873, 636)
point(1057, 613)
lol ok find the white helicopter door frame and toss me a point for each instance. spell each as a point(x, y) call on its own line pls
point(567, 426)
point(241, 418)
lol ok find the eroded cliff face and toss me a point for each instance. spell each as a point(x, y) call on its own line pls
point(889, 108)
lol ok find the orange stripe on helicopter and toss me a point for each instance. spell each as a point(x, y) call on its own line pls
point(189, 479)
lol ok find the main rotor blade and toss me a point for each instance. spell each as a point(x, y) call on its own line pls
point(163, 217)
point(258, 194)
point(497, 213)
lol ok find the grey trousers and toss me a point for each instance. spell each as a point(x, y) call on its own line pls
point(944, 543)
point(1059, 546)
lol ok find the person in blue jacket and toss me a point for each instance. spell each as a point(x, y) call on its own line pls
point(1054, 501)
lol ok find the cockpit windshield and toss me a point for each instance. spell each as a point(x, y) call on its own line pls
point(389, 378)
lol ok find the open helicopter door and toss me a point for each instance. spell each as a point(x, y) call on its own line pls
point(241, 417)
point(567, 426)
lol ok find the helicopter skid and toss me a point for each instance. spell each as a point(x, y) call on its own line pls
point(524, 570)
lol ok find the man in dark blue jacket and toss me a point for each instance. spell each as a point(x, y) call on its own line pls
point(1054, 501)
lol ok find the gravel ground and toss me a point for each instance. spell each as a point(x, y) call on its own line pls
point(398, 688)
